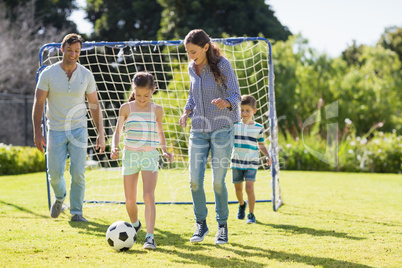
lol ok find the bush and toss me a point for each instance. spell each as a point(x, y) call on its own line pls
point(382, 153)
point(19, 160)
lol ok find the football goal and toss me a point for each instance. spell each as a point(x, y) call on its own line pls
point(114, 65)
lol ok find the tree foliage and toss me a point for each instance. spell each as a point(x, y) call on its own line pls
point(366, 86)
point(20, 41)
point(392, 39)
point(123, 20)
point(49, 13)
point(234, 17)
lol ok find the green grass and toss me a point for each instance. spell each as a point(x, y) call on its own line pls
point(328, 220)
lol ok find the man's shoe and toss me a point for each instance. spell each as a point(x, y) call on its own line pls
point(78, 218)
point(222, 235)
point(201, 230)
point(56, 209)
point(241, 213)
point(149, 243)
point(138, 228)
point(250, 218)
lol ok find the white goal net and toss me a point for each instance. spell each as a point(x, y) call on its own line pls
point(114, 65)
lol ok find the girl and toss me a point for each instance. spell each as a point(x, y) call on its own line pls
point(213, 106)
point(142, 120)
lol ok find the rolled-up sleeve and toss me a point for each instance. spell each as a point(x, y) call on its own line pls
point(190, 101)
point(232, 85)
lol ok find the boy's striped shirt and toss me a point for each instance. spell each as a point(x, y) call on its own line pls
point(245, 153)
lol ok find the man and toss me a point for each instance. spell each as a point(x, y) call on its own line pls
point(65, 85)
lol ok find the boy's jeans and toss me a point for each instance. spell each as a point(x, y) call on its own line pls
point(59, 145)
point(220, 143)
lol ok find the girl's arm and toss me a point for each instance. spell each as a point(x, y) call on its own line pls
point(123, 114)
point(161, 134)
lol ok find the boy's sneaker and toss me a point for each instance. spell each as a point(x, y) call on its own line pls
point(241, 213)
point(138, 228)
point(149, 243)
point(201, 230)
point(56, 209)
point(78, 218)
point(250, 218)
point(222, 235)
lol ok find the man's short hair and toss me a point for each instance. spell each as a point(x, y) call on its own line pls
point(71, 39)
point(249, 100)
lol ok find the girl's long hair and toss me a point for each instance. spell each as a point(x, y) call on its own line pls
point(142, 79)
point(214, 55)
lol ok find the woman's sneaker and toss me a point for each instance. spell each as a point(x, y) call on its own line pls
point(222, 235)
point(201, 230)
point(241, 213)
point(149, 243)
point(250, 218)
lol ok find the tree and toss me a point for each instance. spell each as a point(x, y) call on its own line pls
point(123, 20)
point(48, 13)
point(234, 17)
point(392, 39)
point(20, 43)
point(352, 54)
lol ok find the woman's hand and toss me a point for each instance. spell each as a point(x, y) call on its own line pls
point(183, 120)
point(220, 103)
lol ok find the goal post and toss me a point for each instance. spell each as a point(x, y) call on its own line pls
point(114, 65)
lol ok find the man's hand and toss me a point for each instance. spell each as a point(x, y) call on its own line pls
point(40, 142)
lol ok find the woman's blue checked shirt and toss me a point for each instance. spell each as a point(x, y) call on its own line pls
point(205, 116)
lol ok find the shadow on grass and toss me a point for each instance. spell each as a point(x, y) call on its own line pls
point(24, 209)
point(291, 257)
point(198, 254)
point(91, 227)
point(304, 230)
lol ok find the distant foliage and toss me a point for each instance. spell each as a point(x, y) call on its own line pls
point(20, 41)
point(234, 17)
point(19, 160)
point(377, 152)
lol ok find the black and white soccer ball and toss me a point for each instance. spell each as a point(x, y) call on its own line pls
point(121, 236)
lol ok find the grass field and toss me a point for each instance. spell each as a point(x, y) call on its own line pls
point(328, 220)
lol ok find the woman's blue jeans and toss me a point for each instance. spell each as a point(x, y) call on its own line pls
point(61, 144)
point(220, 144)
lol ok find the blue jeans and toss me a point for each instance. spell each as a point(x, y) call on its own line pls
point(220, 144)
point(59, 145)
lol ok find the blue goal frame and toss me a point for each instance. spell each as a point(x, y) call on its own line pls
point(276, 192)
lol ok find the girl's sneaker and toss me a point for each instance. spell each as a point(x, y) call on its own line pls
point(250, 218)
point(149, 243)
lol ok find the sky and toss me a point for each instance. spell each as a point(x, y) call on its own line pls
point(329, 25)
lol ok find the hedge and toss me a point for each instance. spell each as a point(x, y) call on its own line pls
point(381, 153)
point(19, 160)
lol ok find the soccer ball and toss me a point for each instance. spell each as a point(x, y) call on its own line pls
point(121, 236)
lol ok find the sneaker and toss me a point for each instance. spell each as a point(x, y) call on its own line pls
point(201, 230)
point(56, 209)
point(221, 236)
point(138, 228)
point(250, 218)
point(149, 243)
point(241, 212)
point(78, 218)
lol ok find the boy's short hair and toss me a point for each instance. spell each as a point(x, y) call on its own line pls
point(71, 39)
point(249, 100)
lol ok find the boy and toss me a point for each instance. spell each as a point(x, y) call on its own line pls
point(249, 139)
